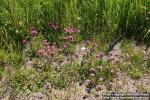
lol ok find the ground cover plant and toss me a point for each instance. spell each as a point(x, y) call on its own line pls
point(64, 42)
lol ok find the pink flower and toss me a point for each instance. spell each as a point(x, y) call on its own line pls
point(65, 38)
point(52, 52)
point(52, 47)
point(71, 38)
point(40, 51)
point(34, 33)
point(45, 54)
point(59, 50)
point(65, 46)
point(24, 41)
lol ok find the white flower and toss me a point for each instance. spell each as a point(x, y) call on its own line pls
point(83, 48)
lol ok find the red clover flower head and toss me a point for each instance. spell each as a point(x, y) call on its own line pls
point(33, 31)
point(71, 38)
point(65, 46)
point(24, 41)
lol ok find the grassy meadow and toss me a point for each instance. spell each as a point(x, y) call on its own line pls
point(63, 42)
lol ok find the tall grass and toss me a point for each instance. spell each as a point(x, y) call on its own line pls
point(110, 18)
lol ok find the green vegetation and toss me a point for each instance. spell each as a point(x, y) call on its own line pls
point(39, 39)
